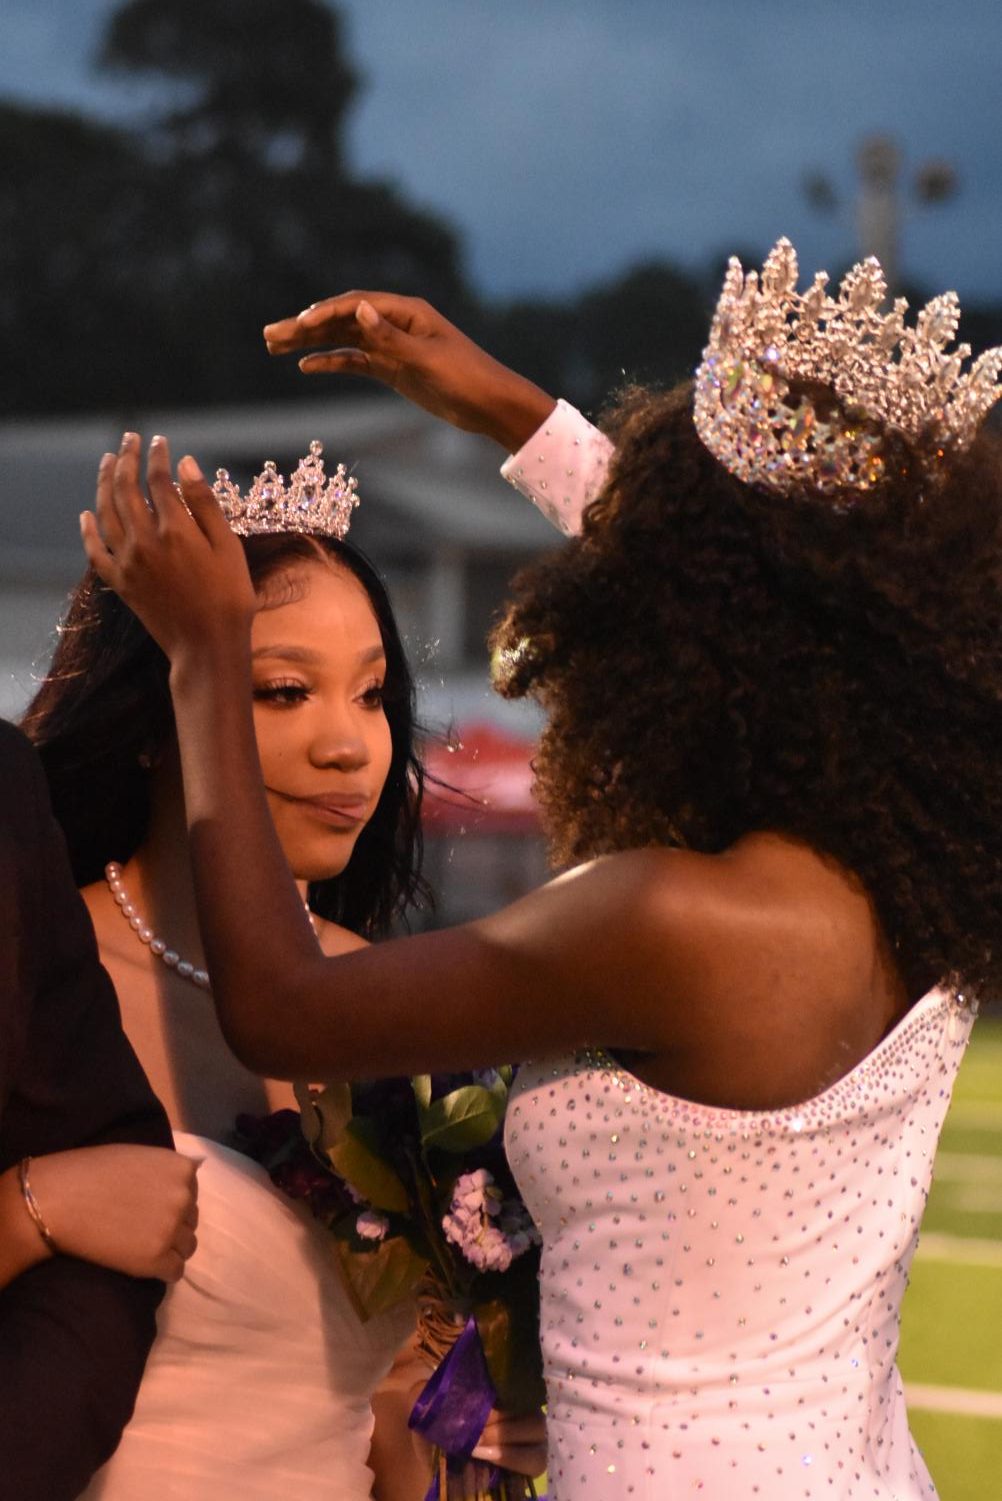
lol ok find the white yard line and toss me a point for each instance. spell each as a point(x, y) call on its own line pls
point(935, 1246)
point(969, 1167)
point(986, 1114)
point(973, 1198)
point(955, 1399)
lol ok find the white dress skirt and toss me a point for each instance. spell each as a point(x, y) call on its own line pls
point(260, 1380)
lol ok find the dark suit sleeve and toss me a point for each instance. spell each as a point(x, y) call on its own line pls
point(73, 1337)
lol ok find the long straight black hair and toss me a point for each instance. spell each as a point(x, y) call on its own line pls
point(105, 703)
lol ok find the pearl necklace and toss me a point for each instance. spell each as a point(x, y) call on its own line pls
point(145, 934)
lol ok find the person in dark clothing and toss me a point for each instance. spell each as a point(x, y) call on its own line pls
point(96, 1210)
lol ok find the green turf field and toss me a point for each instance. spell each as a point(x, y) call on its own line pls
point(951, 1343)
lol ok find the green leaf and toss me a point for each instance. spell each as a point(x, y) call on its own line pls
point(325, 1112)
point(380, 1277)
point(309, 1120)
point(421, 1084)
point(463, 1120)
point(356, 1156)
point(499, 1092)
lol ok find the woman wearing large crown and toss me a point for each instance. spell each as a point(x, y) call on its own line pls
point(772, 668)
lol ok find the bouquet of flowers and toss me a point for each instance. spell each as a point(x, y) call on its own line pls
point(411, 1179)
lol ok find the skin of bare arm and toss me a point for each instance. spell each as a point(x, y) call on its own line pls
point(661, 951)
point(405, 344)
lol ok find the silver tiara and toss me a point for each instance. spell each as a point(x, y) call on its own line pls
point(766, 334)
point(312, 502)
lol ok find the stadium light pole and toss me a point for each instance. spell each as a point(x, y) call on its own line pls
point(881, 201)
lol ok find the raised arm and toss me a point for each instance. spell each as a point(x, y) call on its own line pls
point(558, 459)
point(538, 978)
point(689, 939)
point(403, 343)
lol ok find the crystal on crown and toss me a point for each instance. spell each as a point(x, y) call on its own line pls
point(765, 335)
point(313, 502)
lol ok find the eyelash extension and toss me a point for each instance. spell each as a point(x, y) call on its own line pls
point(288, 694)
point(280, 693)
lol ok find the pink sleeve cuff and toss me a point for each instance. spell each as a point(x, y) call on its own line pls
point(562, 467)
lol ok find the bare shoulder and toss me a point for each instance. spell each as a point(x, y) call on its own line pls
point(720, 964)
point(778, 955)
point(767, 891)
point(764, 896)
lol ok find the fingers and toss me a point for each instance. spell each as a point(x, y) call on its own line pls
point(185, 1242)
point(107, 519)
point(101, 530)
point(168, 506)
point(518, 1442)
point(504, 1428)
point(201, 501)
point(171, 1268)
point(121, 514)
point(179, 504)
point(380, 349)
point(334, 321)
point(523, 1459)
point(98, 556)
point(189, 1167)
point(337, 362)
point(331, 321)
point(128, 502)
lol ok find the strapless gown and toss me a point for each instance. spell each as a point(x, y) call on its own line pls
point(259, 1383)
point(720, 1288)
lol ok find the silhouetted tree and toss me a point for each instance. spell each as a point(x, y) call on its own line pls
point(261, 81)
point(138, 266)
point(648, 324)
point(267, 214)
point(77, 245)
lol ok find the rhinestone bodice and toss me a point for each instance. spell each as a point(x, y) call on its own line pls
point(720, 1288)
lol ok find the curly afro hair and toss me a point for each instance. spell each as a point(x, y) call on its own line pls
point(715, 660)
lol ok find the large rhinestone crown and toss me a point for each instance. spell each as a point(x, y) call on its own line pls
point(766, 335)
point(312, 502)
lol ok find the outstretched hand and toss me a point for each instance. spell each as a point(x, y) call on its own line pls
point(172, 556)
point(515, 1442)
point(406, 345)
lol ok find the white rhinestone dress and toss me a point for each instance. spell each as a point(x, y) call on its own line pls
point(721, 1289)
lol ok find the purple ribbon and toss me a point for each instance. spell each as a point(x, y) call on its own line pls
point(456, 1402)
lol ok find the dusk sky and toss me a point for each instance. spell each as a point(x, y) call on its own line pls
point(566, 139)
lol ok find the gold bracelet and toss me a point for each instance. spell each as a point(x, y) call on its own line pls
point(31, 1204)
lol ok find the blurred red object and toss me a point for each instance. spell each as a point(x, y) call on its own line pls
point(488, 777)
